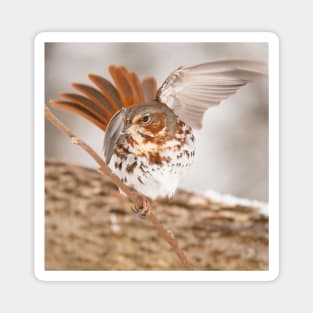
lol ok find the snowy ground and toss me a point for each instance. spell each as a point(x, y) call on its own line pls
point(231, 200)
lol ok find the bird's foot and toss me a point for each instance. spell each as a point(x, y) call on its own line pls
point(142, 206)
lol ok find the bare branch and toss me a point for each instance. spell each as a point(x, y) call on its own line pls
point(134, 196)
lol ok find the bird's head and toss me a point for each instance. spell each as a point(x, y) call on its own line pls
point(151, 121)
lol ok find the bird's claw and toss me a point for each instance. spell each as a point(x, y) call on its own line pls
point(143, 209)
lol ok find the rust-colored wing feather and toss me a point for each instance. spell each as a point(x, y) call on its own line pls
point(123, 85)
point(87, 104)
point(96, 97)
point(136, 87)
point(107, 89)
point(150, 88)
point(100, 103)
point(79, 110)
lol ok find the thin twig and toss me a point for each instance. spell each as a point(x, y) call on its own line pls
point(134, 196)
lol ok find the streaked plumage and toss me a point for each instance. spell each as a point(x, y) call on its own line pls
point(149, 142)
point(150, 158)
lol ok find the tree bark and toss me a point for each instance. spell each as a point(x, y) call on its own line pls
point(88, 226)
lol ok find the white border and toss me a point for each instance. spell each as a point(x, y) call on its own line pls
point(273, 57)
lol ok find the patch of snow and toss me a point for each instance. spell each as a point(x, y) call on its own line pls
point(231, 200)
point(114, 225)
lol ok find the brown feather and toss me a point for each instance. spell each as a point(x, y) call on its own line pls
point(98, 105)
point(87, 104)
point(128, 76)
point(79, 110)
point(94, 95)
point(138, 87)
point(108, 90)
point(149, 86)
point(122, 85)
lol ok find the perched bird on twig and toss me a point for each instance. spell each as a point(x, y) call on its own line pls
point(149, 142)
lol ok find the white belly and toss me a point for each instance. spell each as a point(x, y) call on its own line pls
point(155, 179)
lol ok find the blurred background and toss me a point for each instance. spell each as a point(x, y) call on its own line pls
point(232, 147)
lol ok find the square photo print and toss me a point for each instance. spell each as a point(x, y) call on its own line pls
point(156, 156)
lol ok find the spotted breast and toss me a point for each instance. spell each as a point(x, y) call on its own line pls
point(153, 151)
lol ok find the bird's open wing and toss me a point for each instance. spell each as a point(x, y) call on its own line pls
point(189, 91)
point(99, 103)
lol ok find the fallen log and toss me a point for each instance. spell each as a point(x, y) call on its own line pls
point(88, 226)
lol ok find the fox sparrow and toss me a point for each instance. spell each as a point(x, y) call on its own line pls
point(149, 142)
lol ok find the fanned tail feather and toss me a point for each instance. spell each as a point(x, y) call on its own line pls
point(79, 110)
point(98, 105)
point(150, 88)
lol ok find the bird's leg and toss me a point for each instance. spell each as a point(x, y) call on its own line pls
point(141, 205)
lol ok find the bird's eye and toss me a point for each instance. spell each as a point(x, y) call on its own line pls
point(146, 118)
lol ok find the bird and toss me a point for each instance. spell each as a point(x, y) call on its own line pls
point(149, 140)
